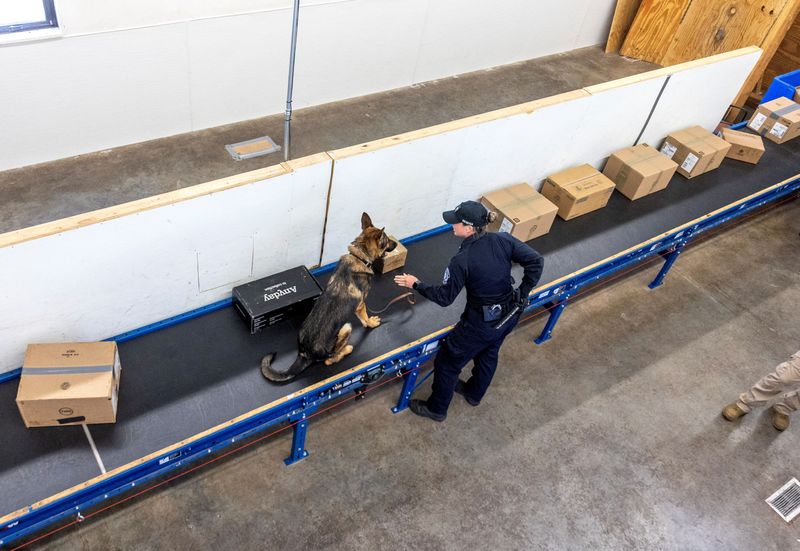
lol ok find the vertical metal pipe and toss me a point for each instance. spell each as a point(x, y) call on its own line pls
point(287, 121)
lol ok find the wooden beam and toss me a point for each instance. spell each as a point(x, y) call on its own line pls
point(770, 44)
point(624, 14)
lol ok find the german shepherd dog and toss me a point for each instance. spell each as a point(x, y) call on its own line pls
point(324, 333)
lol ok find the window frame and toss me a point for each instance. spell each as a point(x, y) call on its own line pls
point(50, 21)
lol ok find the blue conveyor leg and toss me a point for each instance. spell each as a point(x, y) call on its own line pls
point(408, 389)
point(299, 450)
point(555, 313)
point(668, 262)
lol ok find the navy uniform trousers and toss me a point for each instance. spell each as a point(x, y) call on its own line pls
point(471, 339)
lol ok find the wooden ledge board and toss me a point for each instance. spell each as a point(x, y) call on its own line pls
point(443, 128)
point(192, 192)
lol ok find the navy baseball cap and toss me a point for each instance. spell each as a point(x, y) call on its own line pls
point(470, 213)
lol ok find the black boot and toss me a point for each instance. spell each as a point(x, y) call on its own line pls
point(462, 391)
point(420, 408)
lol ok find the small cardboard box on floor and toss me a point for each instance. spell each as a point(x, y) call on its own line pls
point(639, 170)
point(392, 260)
point(521, 211)
point(69, 384)
point(744, 146)
point(778, 120)
point(695, 150)
point(577, 191)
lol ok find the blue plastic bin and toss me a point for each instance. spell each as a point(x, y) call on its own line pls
point(782, 85)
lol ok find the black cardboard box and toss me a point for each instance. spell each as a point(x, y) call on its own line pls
point(269, 300)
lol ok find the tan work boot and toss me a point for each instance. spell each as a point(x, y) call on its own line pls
point(779, 420)
point(732, 412)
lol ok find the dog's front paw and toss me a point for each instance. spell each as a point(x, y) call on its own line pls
point(373, 322)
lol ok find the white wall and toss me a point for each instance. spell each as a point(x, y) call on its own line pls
point(132, 70)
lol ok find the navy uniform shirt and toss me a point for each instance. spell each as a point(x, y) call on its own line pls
point(483, 265)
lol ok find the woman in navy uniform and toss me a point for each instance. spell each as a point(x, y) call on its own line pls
point(483, 266)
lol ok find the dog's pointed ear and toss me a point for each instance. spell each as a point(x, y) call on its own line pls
point(366, 221)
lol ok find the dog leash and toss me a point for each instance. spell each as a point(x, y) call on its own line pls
point(408, 296)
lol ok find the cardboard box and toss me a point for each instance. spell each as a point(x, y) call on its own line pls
point(744, 146)
point(778, 120)
point(696, 150)
point(639, 170)
point(521, 211)
point(69, 384)
point(267, 301)
point(577, 191)
point(392, 260)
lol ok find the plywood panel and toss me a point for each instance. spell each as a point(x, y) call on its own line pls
point(96, 281)
point(652, 30)
point(624, 14)
point(786, 58)
point(770, 46)
point(673, 31)
point(714, 27)
point(699, 94)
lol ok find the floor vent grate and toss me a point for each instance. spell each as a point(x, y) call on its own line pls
point(252, 148)
point(786, 501)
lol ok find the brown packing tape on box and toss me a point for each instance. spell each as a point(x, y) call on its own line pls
point(522, 211)
point(776, 116)
point(578, 190)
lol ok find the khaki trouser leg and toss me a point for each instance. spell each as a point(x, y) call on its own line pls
point(786, 377)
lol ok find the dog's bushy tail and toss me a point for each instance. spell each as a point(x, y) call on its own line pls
point(278, 375)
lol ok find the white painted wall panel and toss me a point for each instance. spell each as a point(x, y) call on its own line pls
point(66, 97)
point(236, 72)
point(91, 16)
point(698, 96)
point(614, 119)
point(104, 279)
point(135, 70)
point(357, 48)
point(459, 40)
point(404, 188)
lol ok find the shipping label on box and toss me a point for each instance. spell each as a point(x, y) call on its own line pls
point(267, 301)
point(639, 170)
point(521, 211)
point(69, 384)
point(392, 260)
point(777, 120)
point(695, 150)
point(744, 147)
point(578, 190)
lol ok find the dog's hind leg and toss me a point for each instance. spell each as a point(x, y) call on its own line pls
point(341, 349)
point(366, 320)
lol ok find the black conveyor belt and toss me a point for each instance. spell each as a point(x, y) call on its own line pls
point(182, 380)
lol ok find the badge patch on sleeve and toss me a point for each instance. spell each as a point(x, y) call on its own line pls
point(446, 276)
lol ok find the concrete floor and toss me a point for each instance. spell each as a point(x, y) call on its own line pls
point(606, 437)
point(49, 191)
